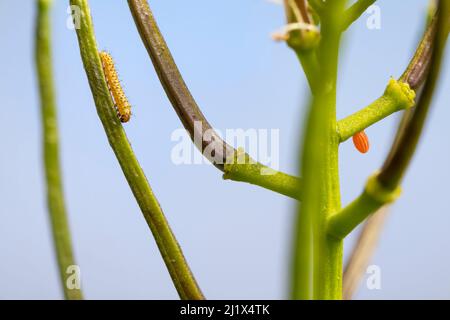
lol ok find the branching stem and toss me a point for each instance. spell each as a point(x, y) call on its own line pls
point(190, 114)
point(397, 96)
point(384, 187)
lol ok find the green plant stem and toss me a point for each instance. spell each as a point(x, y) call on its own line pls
point(310, 66)
point(303, 42)
point(190, 114)
point(397, 96)
point(363, 250)
point(245, 169)
point(355, 11)
point(168, 246)
point(384, 187)
point(317, 264)
point(55, 195)
point(371, 199)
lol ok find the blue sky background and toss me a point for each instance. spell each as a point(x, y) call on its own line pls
point(235, 236)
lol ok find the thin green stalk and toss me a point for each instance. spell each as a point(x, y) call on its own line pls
point(397, 96)
point(191, 116)
point(317, 265)
point(55, 195)
point(245, 169)
point(168, 246)
point(355, 11)
point(371, 199)
point(304, 42)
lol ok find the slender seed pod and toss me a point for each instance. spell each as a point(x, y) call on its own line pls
point(122, 105)
point(361, 142)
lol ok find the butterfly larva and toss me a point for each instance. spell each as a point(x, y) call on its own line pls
point(361, 142)
point(121, 102)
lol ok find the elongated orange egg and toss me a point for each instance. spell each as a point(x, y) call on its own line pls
point(361, 142)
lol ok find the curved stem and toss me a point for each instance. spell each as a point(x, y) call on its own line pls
point(398, 161)
point(168, 246)
point(55, 195)
point(201, 132)
point(416, 72)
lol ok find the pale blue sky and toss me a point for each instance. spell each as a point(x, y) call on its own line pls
point(235, 236)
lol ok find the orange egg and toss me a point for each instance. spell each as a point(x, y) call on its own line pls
point(361, 142)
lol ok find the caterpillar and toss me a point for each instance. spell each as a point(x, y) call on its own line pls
point(122, 105)
point(361, 142)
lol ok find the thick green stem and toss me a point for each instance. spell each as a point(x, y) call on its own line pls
point(55, 195)
point(317, 266)
point(168, 246)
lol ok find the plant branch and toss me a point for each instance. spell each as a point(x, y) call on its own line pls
point(383, 187)
point(55, 195)
point(365, 246)
point(168, 246)
point(190, 114)
point(397, 96)
point(303, 41)
point(371, 199)
point(244, 169)
point(398, 161)
point(370, 233)
point(355, 11)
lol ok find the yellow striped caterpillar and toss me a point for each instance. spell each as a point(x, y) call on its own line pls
point(122, 105)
